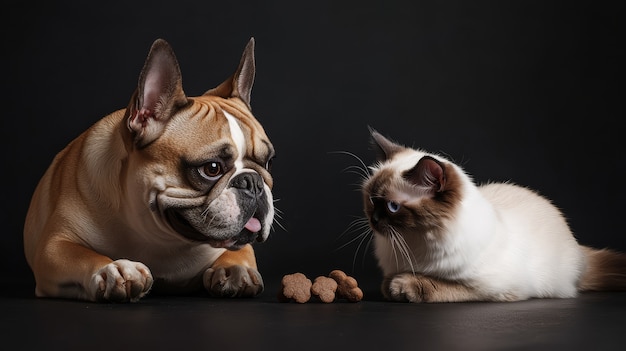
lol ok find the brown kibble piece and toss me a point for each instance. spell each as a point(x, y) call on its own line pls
point(347, 286)
point(324, 288)
point(295, 287)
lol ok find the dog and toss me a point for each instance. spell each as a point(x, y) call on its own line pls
point(167, 194)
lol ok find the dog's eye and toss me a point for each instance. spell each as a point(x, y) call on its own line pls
point(211, 170)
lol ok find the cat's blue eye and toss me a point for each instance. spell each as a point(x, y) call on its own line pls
point(393, 207)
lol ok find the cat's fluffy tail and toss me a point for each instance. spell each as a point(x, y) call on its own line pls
point(605, 271)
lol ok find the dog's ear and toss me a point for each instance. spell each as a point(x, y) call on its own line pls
point(239, 84)
point(158, 93)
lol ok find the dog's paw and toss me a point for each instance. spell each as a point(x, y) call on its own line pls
point(233, 281)
point(121, 281)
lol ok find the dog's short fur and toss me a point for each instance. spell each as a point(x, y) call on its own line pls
point(170, 191)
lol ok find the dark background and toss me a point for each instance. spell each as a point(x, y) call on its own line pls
point(524, 91)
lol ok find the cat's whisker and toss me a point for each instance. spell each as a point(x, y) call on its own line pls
point(358, 171)
point(365, 235)
point(406, 252)
point(394, 245)
point(362, 164)
point(361, 226)
point(393, 239)
point(352, 241)
point(401, 247)
point(361, 222)
point(358, 224)
point(370, 235)
point(361, 169)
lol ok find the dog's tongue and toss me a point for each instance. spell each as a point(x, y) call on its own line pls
point(253, 225)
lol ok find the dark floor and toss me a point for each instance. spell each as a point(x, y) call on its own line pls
point(593, 321)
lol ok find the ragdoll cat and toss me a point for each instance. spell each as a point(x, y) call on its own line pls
point(438, 237)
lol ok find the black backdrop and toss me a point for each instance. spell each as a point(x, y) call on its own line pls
point(524, 91)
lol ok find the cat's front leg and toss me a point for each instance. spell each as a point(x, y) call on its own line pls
point(409, 287)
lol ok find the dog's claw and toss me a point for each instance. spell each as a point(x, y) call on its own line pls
point(233, 281)
point(122, 281)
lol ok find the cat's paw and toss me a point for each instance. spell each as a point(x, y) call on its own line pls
point(233, 281)
point(406, 287)
point(410, 287)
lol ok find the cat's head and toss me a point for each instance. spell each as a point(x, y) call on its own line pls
point(410, 191)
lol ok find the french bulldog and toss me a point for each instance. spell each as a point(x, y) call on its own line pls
point(167, 194)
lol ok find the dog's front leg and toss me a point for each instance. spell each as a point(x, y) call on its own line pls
point(69, 270)
point(234, 274)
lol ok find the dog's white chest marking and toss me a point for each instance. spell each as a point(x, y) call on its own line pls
point(238, 138)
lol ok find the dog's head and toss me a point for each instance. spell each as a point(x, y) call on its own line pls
point(201, 164)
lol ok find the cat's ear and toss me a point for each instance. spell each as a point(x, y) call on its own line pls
point(428, 173)
point(385, 148)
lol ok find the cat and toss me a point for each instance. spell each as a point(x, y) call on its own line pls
point(439, 237)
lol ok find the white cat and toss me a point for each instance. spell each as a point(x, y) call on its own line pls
point(438, 237)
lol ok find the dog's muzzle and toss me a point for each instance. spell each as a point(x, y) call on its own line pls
point(253, 204)
point(252, 200)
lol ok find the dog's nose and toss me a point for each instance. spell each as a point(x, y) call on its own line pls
point(251, 182)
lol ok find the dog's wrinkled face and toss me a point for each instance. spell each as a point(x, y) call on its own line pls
point(217, 189)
